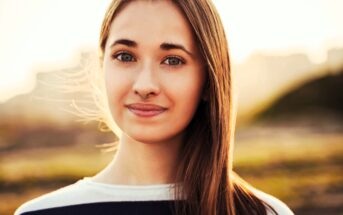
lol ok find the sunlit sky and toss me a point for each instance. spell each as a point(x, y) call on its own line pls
point(36, 33)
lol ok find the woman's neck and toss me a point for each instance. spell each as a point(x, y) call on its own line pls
point(137, 163)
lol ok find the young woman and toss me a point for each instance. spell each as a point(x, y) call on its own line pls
point(168, 97)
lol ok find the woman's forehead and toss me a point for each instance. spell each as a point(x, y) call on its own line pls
point(152, 22)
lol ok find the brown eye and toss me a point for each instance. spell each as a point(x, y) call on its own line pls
point(124, 57)
point(174, 61)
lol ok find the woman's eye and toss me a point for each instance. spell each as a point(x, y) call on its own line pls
point(125, 57)
point(173, 61)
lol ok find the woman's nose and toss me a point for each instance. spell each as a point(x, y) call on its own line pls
point(145, 83)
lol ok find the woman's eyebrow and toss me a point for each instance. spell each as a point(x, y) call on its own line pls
point(126, 42)
point(163, 46)
point(169, 46)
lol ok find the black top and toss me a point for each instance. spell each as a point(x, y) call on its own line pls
point(87, 197)
point(110, 208)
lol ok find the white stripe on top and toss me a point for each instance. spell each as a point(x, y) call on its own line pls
point(87, 191)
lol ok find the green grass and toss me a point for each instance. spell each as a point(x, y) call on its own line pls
point(302, 170)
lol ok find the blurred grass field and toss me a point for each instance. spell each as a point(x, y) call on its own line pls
point(302, 168)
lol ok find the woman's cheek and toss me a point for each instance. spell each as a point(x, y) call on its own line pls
point(187, 98)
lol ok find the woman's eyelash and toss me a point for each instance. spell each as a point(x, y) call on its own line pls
point(123, 57)
point(174, 60)
point(126, 57)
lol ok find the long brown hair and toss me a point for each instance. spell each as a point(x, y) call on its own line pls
point(205, 170)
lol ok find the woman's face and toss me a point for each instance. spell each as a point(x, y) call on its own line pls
point(151, 58)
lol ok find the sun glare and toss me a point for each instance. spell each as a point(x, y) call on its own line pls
point(49, 32)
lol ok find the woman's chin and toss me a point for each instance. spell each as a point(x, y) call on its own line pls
point(147, 138)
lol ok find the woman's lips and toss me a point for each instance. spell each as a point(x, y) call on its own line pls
point(145, 110)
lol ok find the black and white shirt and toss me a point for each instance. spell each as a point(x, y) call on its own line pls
point(87, 197)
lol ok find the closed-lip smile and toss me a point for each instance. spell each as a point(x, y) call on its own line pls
point(145, 110)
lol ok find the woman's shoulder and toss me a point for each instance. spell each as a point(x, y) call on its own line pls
point(86, 192)
point(280, 207)
point(56, 198)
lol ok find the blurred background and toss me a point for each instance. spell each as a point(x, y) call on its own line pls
point(287, 60)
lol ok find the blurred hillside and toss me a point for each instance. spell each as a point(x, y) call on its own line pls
point(44, 118)
point(51, 99)
point(262, 78)
point(317, 100)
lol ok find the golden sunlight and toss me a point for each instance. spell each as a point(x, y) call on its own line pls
point(37, 33)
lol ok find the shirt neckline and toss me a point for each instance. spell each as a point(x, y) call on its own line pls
point(122, 192)
point(89, 181)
